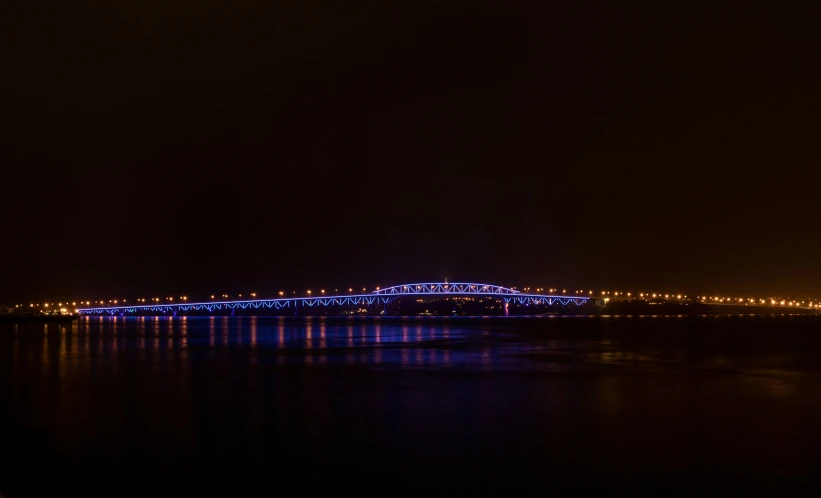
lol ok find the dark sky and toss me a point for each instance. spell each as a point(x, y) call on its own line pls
point(165, 147)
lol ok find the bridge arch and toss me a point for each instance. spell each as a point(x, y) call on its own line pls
point(446, 288)
point(381, 296)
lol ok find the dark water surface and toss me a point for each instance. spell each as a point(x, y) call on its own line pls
point(284, 406)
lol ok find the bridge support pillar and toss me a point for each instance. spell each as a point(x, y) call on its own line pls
point(232, 311)
point(174, 313)
point(507, 309)
point(385, 309)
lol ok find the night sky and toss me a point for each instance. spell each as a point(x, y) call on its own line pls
point(168, 147)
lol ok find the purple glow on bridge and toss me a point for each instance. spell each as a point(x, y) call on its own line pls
point(380, 296)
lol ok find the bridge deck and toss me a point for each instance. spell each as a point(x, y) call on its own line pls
point(381, 296)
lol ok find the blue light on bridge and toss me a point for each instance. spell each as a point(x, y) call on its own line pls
point(381, 296)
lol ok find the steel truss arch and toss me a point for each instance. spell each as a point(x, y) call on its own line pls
point(381, 296)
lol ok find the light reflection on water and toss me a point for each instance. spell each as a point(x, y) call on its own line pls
point(612, 394)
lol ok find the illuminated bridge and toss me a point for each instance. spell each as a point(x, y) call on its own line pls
point(379, 297)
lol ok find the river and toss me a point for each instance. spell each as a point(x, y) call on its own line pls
point(567, 405)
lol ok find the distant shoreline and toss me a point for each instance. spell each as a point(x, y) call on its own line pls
point(701, 309)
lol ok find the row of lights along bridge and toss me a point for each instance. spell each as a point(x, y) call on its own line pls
point(605, 294)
